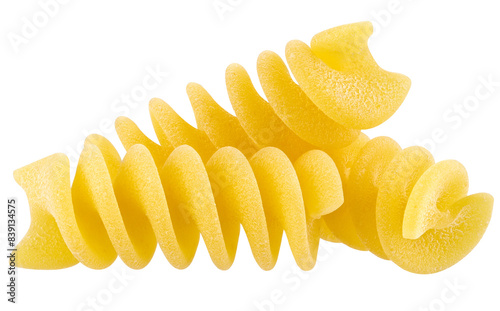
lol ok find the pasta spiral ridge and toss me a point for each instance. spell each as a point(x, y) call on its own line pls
point(402, 206)
point(232, 170)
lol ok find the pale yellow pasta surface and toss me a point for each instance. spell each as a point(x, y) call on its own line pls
point(293, 162)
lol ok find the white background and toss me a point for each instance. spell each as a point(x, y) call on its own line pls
point(62, 82)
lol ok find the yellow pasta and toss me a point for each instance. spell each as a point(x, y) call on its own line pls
point(125, 207)
point(294, 163)
point(402, 206)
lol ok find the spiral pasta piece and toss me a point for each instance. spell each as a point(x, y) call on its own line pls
point(293, 118)
point(125, 207)
point(295, 162)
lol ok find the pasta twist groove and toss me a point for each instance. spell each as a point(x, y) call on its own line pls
point(232, 170)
